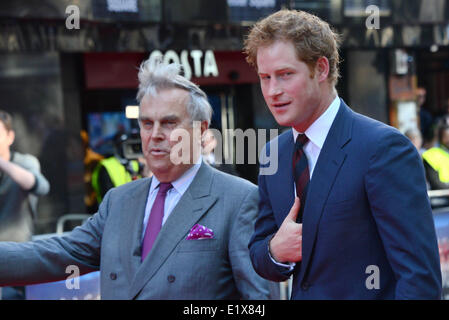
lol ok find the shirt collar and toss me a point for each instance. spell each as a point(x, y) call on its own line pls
point(183, 182)
point(317, 132)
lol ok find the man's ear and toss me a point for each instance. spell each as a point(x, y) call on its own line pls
point(204, 127)
point(11, 136)
point(322, 69)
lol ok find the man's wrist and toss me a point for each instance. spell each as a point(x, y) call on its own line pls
point(273, 256)
point(289, 265)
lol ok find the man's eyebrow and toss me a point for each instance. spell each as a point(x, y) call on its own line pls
point(143, 118)
point(283, 69)
point(171, 117)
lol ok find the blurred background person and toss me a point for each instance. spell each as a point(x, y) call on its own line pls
point(209, 143)
point(443, 119)
point(426, 119)
point(436, 161)
point(91, 160)
point(427, 122)
point(416, 138)
point(118, 169)
point(21, 182)
point(430, 139)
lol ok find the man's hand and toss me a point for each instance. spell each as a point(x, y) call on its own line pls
point(286, 245)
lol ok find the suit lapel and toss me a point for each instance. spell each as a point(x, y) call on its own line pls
point(282, 186)
point(328, 165)
point(132, 228)
point(195, 202)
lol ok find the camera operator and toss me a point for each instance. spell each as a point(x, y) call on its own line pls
point(122, 167)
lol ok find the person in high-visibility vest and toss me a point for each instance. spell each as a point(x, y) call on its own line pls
point(436, 161)
point(91, 160)
point(115, 170)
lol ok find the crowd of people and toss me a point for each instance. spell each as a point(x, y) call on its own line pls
point(432, 142)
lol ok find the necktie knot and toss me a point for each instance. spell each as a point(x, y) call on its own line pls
point(301, 140)
point(164, 187)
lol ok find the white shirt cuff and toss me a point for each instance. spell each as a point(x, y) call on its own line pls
point(290, 265)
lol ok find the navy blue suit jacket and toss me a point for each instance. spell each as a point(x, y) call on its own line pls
point(366, 206)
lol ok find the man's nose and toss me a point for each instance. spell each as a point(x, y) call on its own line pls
point(157, 132)
point(274, 88)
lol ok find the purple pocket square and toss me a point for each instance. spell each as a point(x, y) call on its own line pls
point(200, 232)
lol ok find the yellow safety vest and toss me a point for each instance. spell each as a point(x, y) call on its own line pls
point(117, 172)
point(438, 159)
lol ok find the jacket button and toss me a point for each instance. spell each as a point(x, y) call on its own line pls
point(171, 278)
point(305, 286)
point(113, 276)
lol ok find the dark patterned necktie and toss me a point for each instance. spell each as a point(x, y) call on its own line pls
point(155, 220)
point(301, 172)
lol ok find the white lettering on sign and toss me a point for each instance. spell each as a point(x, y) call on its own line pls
point(171, 56)
point(185, 64)
point(203, 64)
point(210, 65)
point(196, 56)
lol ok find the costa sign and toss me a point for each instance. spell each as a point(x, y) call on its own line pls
point(195, 62)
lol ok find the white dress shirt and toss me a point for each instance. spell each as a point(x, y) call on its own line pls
point(317, 133)
point(173, 195)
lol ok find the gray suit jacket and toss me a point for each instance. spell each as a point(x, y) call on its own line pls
point(176, 268)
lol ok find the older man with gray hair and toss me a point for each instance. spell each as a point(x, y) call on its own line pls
point(181, 234)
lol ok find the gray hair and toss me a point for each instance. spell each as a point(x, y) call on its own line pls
point(155, 76)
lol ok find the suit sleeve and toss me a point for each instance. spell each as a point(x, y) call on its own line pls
point(46, 260)
point(249, 284)
point(397, 194)
point(265, 228)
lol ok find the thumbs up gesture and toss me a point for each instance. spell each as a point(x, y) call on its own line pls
point(286, 245)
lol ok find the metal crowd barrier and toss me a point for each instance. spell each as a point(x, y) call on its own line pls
point(85, 287)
